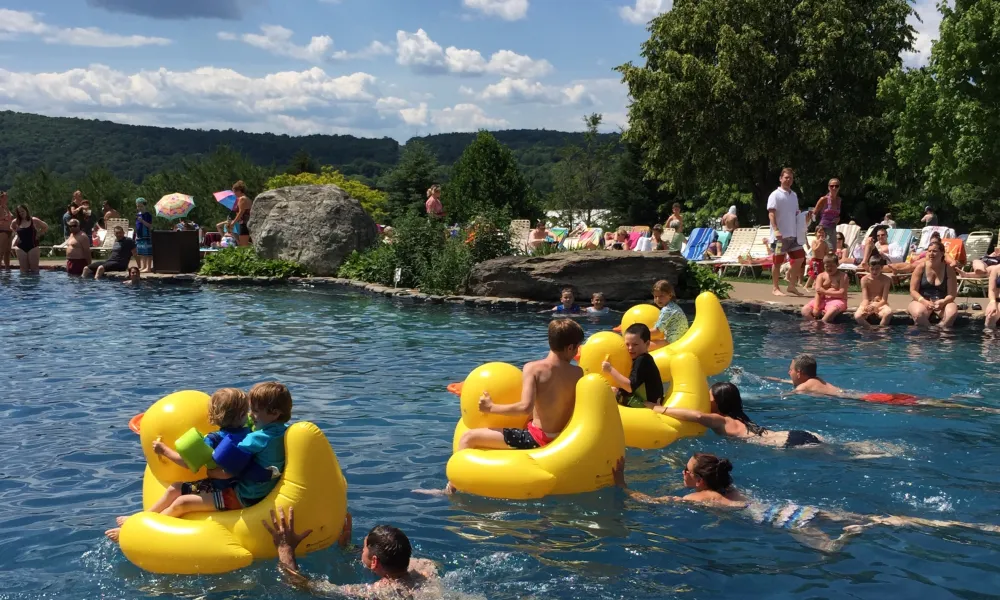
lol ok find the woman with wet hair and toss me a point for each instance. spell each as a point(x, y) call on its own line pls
point(728, 419)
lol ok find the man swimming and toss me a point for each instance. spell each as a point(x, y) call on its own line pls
point(803, 374)
point(548, 396)
point(386, 553)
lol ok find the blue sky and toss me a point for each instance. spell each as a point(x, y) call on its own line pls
point(373, 68)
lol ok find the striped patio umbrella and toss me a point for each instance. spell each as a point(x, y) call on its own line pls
point(174, 206)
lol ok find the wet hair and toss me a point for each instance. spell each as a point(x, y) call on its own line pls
point(597, 295)
point(136, 270)
point(228, 407)
point(239, 187)
point(714, 471)
point(730, 404)
point(271, 396)
point(72, 223)
point(563, 334)
point(663, 287)
point(830, 258)
point(876, 260)
point(788, 170)
point(640, 330)
point(565, 291)
point(805, 364)
point(390, 546)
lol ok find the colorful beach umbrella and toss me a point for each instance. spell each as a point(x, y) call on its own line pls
point(226, 198)
point(174, 206)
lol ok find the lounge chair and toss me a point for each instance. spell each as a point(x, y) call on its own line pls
point(519, 231)
point(698, 243)
point(759, 253)
point(636, 234)
point(977, 245)
point(850, 233)
point(739, 245)
point(926, 232)
point(589, 238)
point(724, 237)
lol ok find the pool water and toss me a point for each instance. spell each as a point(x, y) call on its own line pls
point(82, 357)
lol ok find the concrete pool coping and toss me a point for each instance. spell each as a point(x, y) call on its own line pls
point(749, 299)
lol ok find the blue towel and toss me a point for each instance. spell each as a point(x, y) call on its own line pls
point(698, 242)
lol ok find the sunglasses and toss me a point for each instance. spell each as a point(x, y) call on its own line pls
point(834, 186)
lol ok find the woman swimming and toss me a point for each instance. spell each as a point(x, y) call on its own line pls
point(728, 419)
point(710, 478)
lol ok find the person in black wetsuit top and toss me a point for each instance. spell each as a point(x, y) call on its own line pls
point(643, 388)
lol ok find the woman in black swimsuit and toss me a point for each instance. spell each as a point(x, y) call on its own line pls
point(28, 231)
point(728, 419)
point(934, 287)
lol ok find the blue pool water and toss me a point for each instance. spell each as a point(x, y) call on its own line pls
point(82, 357)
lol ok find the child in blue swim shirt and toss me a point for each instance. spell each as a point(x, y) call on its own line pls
point(271, 409)
point(568, 304)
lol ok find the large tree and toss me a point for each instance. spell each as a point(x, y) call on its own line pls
point(407, 183)
point(487, 178)
point(582, 178)
point(731, 92)
point(947, 115)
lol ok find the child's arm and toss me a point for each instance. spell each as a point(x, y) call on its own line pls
point(841, 291)
point(525, 406)
point(168, 453)
point(622, 381)
point(866, 283)
point(821, 285)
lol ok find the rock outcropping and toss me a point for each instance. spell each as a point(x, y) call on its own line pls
point(317, 226)
point(621, 276)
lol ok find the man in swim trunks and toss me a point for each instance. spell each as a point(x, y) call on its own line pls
point(77, 249)
point(386, 552)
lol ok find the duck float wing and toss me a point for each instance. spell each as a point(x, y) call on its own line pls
point(709, 339)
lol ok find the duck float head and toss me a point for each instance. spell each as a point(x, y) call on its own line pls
point(217, 542)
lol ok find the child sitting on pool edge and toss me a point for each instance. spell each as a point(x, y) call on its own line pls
point(270, 405)
point(672, 322)
point(643, 388)
point(597, 306)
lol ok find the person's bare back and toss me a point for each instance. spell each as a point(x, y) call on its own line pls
point(818, 386)
point(554, 383)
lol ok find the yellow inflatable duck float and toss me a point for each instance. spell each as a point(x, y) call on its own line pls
point(217, 542)
point(706, 349)
point(579, 460)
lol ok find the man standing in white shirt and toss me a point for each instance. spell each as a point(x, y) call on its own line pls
point(783, 211)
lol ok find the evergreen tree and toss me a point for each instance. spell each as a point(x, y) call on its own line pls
point(407, 183)
point(487, 178)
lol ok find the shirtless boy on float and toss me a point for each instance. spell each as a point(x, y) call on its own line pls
point(548, 397)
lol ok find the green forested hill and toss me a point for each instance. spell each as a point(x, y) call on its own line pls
point(70, 146)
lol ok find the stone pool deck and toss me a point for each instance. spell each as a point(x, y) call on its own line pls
point(746, 297)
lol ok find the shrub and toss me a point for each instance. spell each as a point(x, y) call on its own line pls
point(696, 279)
point(373, 201)
point(376, 265)
point(244, 261)
point(449, 272)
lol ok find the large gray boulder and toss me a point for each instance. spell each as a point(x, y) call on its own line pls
point(317, 226)
point(621, 276)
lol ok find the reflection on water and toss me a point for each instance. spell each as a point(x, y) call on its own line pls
point(83, 357)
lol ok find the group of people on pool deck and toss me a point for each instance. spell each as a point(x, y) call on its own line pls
point(549, 396)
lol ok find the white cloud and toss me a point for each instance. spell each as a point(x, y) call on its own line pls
point(415, 116)
point(14, 23)
point(927, 27)
point(372, 50)
point(465, 117)
point(514, 91)
point(420, 52)
point(508, 10)
point(644, 10)
point(278, 40)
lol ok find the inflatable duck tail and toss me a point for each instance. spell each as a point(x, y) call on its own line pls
point(709, 339)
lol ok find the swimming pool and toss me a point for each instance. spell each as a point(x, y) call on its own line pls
point(82, 357)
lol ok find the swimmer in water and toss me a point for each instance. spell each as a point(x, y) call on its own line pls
point(803, 376)
point(709, 477)
point(728, 419)
point(386, 553)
